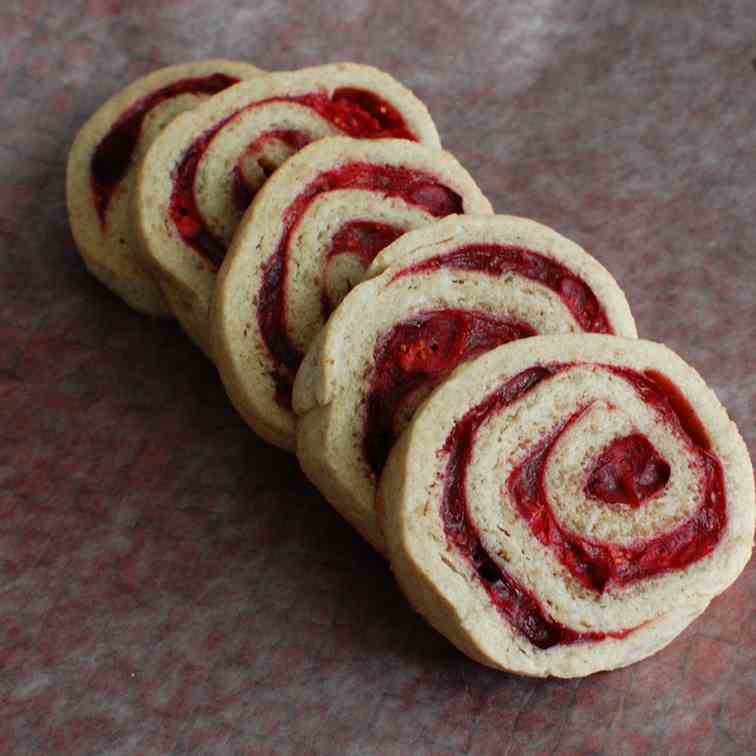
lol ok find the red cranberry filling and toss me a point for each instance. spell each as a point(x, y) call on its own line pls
point(413, 357)
point(596, 565)
point(112, 157)
point(629, 471)
point(498, 259)
point(390, 181)
point(656, 388)
point(362, 114)
point(356, 112)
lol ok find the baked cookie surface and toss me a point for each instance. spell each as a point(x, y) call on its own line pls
point(436, 297)
point(202, 173)
point(102, 164)
point(309, 234)
point(568, 504)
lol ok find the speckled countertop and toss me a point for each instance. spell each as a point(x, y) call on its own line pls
point(171, 585)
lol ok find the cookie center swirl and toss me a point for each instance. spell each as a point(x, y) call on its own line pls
point(631, 462)
point(629, 471)
point(260, 159)
point(356, 112)
point(414, 187)
point(360, 241)
point(413, 357)
point(112, 158)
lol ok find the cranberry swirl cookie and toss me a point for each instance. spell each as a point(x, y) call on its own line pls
point(438, 296)
point(310, 233)
point(201, 174)
point(568, 504)
point(102, 165)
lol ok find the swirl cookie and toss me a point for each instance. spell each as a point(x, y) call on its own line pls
point(313, 228)
point(438, 296)
point(201, 174)
point(570, 504)
point(102, 163)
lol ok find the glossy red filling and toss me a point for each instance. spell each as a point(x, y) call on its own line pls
point(629, 471)
point(361, 239)
point(361, 114)
point(414, 187)
point(499, 259)
point(356, 112)
point(596, 565)
point(656, 388)
point(413, 357)
point(112, 158)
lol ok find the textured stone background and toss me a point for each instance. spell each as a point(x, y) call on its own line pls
point(169, 584)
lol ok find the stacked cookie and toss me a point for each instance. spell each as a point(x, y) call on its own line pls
point(555, 496)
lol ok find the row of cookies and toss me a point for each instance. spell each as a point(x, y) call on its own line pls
point(555, 496)
point(313, 238)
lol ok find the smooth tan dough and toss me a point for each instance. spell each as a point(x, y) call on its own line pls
point(440, 582)
point(241, 355)
point(112, 254)
point(331, 388)
point(247, 113)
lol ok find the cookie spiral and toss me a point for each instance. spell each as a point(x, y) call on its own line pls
point(565, 505)
point(438, 296)
point(102, 164)
point(309, 235)
point(201, 174)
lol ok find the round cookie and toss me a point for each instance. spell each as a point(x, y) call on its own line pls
point(437, 296)
point(568, 504)
point(337, 199)
point(201, 174)
point(102, 163)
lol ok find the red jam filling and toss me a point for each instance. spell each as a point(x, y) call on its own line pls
point(597, 566)
point(112, 158)
point(361, 239)
point(414, 187)
point(655, 387)
point(361, 114)
point(629, 471)
point(356, 112)
point(499, 259)
point(413, 357)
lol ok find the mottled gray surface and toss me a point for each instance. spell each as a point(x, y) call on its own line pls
point(172, 585)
